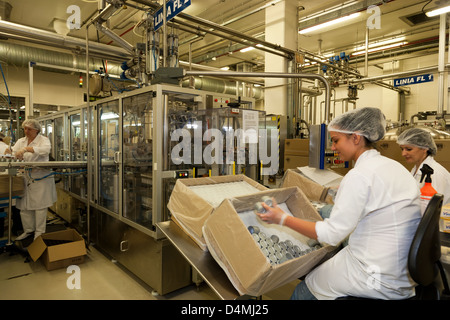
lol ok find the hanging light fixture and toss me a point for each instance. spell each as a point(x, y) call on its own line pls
point(438, 11)
point(330, 23)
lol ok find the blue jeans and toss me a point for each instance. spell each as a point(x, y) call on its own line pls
point(301, 292)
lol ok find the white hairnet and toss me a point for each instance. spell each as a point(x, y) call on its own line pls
point(32, 123)
point(367, 122)
point(418, 137)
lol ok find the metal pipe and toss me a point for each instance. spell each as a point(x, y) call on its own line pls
point(89, 153)
point(448, 78)
point(29, 110)
point(366, 54)
point(164, 34)
point(441, 65)
point(47, 164)
point(54, 38)
point(123, 43)
point(273, 75)
point(10, 180)
point(197, 29)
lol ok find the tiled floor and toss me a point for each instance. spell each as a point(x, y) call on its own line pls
point(100, 277)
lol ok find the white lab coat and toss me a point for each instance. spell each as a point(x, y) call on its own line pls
point(3, 147)
point(378, 205)
point(440, 179)
point(38, 194)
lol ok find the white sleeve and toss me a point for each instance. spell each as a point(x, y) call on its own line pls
point(349, 207)
point(43, 147)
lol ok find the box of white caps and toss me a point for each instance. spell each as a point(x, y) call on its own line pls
point(193, 200)
point(256, 256)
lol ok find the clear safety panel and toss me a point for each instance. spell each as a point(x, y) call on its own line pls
point(238, 132)
point(75, 136)
point(137, 158)
point(59, 139)
point(109, 155)
point(77, 128)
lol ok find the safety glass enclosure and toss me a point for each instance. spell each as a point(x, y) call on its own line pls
point(108, 150)
point(137, 158)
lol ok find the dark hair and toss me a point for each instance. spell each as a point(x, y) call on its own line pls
point(369, 144)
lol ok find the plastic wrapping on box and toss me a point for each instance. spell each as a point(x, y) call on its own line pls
point(190, 211)
point(233, 247)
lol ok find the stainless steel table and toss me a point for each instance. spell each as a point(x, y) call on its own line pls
point(201, 261)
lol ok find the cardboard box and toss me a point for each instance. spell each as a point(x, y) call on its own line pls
point(239, 255)
point(312, 190)
point(445, 212)
point(190, 211)
point(58, 249)
point(17, 187)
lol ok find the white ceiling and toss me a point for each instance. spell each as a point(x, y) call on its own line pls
point(41, 14)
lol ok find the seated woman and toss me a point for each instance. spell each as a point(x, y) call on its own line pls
point(377, 206)
point(418, 148)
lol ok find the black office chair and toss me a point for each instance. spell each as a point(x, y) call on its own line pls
point(424, 255)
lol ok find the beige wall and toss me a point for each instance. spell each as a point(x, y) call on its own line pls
point(51, 88)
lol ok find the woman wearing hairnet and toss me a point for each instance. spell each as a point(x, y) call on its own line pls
point(38, 194)
point(418, 148)
point(3, 145)
point(377, 206)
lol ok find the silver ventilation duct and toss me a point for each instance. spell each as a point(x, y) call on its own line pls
point(20, 56)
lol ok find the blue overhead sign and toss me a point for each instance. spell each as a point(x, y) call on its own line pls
point(413, 80)
point(174, 7)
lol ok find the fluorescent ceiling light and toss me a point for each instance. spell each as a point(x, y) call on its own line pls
point(247, 49)
point(225, 68)
point(390, 46)
point(330, 23)
point(380, 43)
point(329, 10)
point(437, 12)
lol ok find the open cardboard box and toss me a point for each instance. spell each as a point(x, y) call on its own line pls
point(68, 248)
point(18, 185)
point(190, 210)
point(239, 255)
point(312, 190)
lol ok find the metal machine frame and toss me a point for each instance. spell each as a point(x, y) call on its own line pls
point(140, 247)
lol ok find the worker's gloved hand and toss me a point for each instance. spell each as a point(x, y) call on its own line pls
point(325, 211)
point(273, 214)
point(19, 154)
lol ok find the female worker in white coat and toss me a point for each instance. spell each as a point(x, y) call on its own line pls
point(3, 145)
point(377, 205)
point(418, 148)
point(40, 191)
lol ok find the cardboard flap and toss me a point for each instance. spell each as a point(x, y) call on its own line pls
point(36, 248)
point(198, 212)
point(312, 190)
point(66, 250)
point(234, 244)
point(68, 234)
